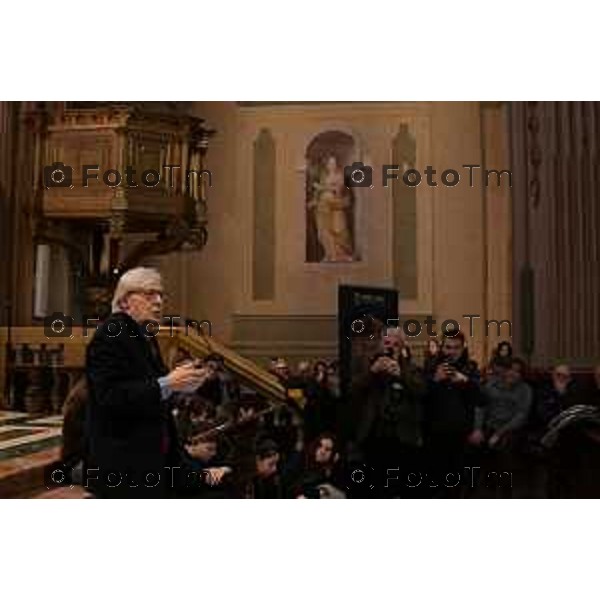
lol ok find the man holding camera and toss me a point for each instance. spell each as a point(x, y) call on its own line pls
point(389, 425)
point(132, 447)
point(452, 396)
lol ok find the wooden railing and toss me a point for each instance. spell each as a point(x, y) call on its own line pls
point(65, 356)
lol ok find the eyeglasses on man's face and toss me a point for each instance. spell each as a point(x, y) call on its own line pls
point(150, 294)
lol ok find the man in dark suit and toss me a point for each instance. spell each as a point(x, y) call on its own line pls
point(132, 446)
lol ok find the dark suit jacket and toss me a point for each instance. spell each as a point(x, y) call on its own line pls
point(130, 430)
point(390, 407)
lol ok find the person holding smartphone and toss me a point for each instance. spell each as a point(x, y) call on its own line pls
point(453, 395)
point(389, 416)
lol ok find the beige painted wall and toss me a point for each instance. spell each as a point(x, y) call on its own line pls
point(303, 288)
point(463, 232)
point(206, 283)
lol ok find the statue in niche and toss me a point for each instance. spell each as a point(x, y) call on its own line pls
point(330, 204)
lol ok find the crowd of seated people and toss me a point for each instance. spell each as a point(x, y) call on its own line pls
point(444, 428)
point(251, 448)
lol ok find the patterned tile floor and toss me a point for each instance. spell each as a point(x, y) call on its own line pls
point(15, 436)
point(27, 445)
point(52, 421)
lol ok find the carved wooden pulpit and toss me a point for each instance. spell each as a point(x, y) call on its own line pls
point(115, 184)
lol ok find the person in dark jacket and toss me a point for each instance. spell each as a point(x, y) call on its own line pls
point(389, 417)
point(453, 394)
point(220, 387)
point(320, 412)
point(207, 472)
point(556, 395)
point(132, 443)
point(74, 410)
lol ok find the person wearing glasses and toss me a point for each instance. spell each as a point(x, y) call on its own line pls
point(130, 437)
point(557, 394)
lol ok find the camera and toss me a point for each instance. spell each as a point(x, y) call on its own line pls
point(58, 175)
point(358, 175)
point(360, 326)
point(58, 325)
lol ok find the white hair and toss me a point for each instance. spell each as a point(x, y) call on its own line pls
point(140, 278)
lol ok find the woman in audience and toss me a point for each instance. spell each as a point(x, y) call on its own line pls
point(432, 349)
point(502, 353)
point(265, 482)
point(321, 467)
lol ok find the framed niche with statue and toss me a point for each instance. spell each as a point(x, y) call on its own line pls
point(330, 204)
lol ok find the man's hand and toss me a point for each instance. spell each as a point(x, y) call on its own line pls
point(246, 414)
point(214, 475)
point(379, 365)
point(186, 376)
point(441, 372)
point(476, 437)
point(458, 377)
point(385, 364)
point(394, 369)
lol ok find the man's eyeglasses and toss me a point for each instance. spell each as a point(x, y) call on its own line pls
point(150, 293)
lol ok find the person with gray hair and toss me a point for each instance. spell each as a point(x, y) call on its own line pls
point(131, 443)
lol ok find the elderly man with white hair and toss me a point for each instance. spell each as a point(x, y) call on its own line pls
point(132, 448)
